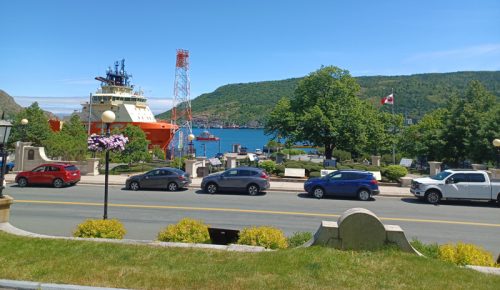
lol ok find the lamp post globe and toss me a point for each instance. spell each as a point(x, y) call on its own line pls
point(24, 122)
point(108, 117)
point(191, 137)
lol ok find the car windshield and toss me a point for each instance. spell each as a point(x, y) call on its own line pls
point(441, 175)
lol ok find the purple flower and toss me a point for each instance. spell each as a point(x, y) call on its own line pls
point(101, 143)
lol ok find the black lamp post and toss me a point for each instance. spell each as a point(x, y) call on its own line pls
point(5, 128)
point(107, 118)
point(496, 143)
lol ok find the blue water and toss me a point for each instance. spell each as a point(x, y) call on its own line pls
point(250, 138)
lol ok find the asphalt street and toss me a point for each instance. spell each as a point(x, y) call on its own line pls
point(52, 211)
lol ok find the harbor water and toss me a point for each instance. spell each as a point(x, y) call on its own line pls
point(250, 138)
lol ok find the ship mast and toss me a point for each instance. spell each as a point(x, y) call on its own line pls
point(181, 109)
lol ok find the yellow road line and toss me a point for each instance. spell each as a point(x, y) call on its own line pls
point(250, 211)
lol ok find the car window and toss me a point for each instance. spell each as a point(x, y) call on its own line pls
point(459, 177)
point(167, 172)
point(153, 172)
point(441, 175)
point(244, 172)
point(71, 168)
point(337, 175)
point(230, 173)
point(476, 177)
point(52, 168)
point(39, 169)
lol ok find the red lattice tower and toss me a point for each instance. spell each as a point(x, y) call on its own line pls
point(181, 110)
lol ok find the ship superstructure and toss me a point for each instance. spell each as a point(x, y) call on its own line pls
point(129, 105)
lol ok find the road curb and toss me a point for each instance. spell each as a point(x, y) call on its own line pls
point(17, 284)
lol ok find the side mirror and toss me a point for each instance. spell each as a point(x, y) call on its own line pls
point(450, 180)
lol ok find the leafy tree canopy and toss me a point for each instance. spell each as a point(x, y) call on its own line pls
point(324, 111)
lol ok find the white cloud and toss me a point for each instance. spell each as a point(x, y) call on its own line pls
point(459, 53)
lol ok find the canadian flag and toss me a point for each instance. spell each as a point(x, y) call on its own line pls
point(388, 100)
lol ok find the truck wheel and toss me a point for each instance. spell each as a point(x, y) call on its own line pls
point(433, 197)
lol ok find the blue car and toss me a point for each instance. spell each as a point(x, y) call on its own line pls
point(346, 183)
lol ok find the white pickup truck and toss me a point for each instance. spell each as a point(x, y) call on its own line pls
point(456, 184)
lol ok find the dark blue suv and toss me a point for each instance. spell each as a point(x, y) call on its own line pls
point(347, 183)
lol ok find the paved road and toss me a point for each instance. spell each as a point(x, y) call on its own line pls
point(57, 211)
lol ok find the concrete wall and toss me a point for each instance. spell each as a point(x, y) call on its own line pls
point(29, 157)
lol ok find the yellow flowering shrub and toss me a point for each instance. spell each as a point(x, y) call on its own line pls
point(106, 229)
point(185, 231)
point(268, 237)
point(465, 254)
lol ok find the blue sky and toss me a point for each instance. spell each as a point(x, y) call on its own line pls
point(50, 51)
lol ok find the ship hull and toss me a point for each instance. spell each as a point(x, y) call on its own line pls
point(159, 133)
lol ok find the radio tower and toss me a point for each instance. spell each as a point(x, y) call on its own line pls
point(181, 110)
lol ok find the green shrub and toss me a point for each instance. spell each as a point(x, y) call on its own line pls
point(428, 250)
point(298, 239)
point(465, 254)
point(279, 170)
point(315, 174)
point(395, 172)
point(268, 165)
point(341, 155)
point(307, 165)
point(293, 152)
point(105, 229)
point(185, 231)
point(268, 237)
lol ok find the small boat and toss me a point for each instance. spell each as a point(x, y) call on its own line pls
point(206, 136)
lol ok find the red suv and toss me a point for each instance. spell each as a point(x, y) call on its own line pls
point(57, 174)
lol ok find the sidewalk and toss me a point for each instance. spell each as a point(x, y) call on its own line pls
point(276, 184)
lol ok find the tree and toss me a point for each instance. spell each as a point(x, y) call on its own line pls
point(37, 131)
point(424, 138)
point(464, 121)
point(324, 111)
point(71, 142)
point(137, 147)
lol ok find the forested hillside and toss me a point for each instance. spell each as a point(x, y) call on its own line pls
point(249, 104)
point(8, 105)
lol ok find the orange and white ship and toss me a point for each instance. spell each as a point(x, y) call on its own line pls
point(130, 107)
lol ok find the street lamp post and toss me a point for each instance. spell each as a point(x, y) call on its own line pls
point(107, 118)
point(5, 128)
point(190, 148)
point(24, 122)
point(496, 143)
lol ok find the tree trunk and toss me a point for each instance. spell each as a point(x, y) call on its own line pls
point(328, 151)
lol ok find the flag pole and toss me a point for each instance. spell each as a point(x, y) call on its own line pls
point(393, 129)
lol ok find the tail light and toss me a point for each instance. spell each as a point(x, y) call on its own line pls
point(181, 177)
point(264, 175)
point(374, 181)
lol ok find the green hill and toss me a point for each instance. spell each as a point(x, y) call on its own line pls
point(249, 104)
point(8, 105)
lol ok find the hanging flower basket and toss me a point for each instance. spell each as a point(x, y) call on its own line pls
point(99, 143)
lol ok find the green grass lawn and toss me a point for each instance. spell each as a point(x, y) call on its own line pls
point(147, 267)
